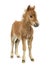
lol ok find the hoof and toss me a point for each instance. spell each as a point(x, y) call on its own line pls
point(18, 56)
point(11, 56)
point(23, 61)
point(32, 59)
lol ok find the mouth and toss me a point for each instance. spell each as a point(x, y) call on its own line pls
point(36, 25)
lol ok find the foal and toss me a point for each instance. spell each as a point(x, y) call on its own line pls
point(22, 30)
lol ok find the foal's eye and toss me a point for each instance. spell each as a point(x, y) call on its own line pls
point(30, 16)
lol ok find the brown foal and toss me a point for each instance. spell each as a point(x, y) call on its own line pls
point(22, 30)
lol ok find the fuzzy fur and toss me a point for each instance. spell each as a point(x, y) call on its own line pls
point(22, 30)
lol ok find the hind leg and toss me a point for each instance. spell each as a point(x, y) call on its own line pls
point(12, 46)
point(16, 47)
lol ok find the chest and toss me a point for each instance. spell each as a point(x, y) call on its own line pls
point(27, 32)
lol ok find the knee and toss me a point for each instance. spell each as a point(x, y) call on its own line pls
point(24, 48)
point(29, 46)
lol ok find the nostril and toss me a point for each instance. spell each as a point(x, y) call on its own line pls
point(37, 24)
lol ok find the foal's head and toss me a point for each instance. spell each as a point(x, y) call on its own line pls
point(30, 16)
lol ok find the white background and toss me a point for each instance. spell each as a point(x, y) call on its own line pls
point(43, 42)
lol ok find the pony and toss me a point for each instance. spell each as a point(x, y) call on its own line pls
point(23, 30)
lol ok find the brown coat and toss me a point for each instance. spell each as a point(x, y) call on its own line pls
point(22, 30)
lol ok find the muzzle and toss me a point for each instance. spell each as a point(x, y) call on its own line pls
point(36, 25)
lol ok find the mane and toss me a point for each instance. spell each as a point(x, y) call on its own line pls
point(24, 14)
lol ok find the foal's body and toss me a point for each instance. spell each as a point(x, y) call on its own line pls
point(22, 30)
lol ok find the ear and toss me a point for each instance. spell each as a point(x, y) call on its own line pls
point(28, 7)
point(33, 7)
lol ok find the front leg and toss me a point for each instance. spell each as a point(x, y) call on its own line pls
point(30, 47)
point(24, 49)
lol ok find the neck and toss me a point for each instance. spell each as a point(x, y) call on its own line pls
point(27, 24)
